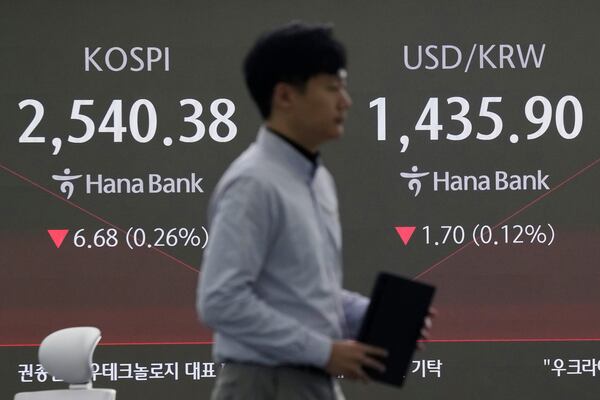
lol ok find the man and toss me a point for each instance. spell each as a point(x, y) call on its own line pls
point(270, 283)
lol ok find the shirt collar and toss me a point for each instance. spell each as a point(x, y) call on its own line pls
point(312, 157)
point(287, 153)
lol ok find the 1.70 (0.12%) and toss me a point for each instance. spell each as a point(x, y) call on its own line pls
point(483, 235)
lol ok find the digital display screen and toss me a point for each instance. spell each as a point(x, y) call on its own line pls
point(470, 161)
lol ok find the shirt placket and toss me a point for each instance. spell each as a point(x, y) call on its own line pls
point(331, 258)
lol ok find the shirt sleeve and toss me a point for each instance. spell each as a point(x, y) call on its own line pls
point(355, 306)
point(242, 228)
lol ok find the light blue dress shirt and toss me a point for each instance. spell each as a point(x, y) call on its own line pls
point(270, 283)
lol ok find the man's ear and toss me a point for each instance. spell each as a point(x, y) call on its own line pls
point(284, 95)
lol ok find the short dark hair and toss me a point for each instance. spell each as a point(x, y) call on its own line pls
point(293, 54)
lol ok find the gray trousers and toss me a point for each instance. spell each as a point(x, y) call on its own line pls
point(237, 381)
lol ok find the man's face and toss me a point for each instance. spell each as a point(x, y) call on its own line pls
point(320, 109)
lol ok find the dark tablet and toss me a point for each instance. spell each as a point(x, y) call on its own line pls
point(393, 321)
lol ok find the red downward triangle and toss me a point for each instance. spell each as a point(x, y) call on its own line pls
point(58, 235)
point(405, 232)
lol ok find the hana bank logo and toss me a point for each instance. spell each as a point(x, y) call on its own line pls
point(414, 179)
point(99, 184)
point(499, 180)
point(67, 187)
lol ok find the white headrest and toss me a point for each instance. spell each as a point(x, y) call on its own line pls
point(67, 354)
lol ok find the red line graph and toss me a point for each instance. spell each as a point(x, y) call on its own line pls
point(425, 272)
point(91, 214)
point(512, 215)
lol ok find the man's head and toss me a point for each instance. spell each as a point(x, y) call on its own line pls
point(296, 75)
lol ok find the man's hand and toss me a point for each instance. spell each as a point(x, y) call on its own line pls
point(427, 325)
point(348, 358)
